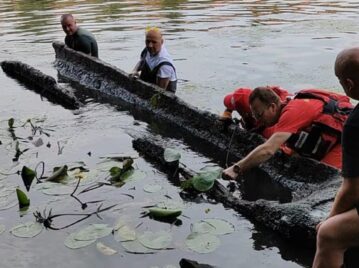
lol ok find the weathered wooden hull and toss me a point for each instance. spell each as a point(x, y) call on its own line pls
point(45, 85)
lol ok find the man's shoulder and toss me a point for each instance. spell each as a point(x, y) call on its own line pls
point(81, 32)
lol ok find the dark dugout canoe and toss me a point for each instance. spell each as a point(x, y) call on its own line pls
point(312, 185)
point(43, 84)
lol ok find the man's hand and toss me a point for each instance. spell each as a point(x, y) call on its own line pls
point(230, 174)
point(134, 75)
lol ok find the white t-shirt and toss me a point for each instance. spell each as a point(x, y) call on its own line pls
point(166, 71)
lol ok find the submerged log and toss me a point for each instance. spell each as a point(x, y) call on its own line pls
point(43, 84)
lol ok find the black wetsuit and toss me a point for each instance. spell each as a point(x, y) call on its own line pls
point(84, 41)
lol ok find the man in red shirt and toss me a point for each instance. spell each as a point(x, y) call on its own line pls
point(292, 125)
point(238, 101)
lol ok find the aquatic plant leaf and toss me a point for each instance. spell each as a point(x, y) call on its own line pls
point(115, 171)
point(135, 247)
point(204, 180)
point(152, 188)
point(221, 227)
point(2, 228)
point(59, 174)
point(157, 212)
point(27, 176)
point(202, 243)
point(73, 243)
point(127, 164)
point(125, 233)
point(93, 231)
point(27, 230)
point(24, 201)
point(10, 122)
point(171, 155)
point(155, 240)
point(202, 227)
point(105, 250)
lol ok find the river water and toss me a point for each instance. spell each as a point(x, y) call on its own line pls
point(217, 46)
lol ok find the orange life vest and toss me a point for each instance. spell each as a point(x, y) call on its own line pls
point(325, 132)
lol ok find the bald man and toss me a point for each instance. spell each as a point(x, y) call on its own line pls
point(340, 230)
point(78, 38)
point(156, 65)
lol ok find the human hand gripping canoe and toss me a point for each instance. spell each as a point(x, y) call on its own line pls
point(232, 172)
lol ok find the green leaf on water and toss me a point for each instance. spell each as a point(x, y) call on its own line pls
point(136, 247)
point(171, 155)
point(27, 176)
point(124, 234)
point(155, 240)
point(73, 243)
point(202, 243)
point(93, 231)
point(24, 201)
point(58, 174)
point(204, 180)
point(27, 230)
point(10, 122)
point(221, 227)
point(157, 212)
point(105, 250)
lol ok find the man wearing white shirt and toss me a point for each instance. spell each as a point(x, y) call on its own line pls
point(156, 65)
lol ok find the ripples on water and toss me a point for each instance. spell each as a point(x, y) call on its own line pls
point(217, 46)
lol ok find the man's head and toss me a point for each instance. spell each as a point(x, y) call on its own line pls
point(68, 24)
point(154, 40)
point(265, 105)
point(347, 70)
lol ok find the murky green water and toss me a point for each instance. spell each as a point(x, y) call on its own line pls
point(217, 46)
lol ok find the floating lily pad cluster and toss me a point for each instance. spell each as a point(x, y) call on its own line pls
point(204, 236)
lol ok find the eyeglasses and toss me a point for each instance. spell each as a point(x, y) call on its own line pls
point(257, 115)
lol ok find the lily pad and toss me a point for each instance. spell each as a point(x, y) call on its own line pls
point(152, 188)
point(221, 227)
point(105, 250)
point(93, 231)
point(73, 243)
point(171, 155)
point(136, 247)
point(124, 234)
point(157, 240)
point(202, 243)
point(27, 230)
point(2, 228)
point(204, 180)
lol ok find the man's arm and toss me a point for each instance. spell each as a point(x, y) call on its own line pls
point(260, 154)
point(136, 70)
point(347, 196)
point(162, 82)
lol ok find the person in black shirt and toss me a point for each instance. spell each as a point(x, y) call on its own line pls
point(340, 230)
point(78, 38)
